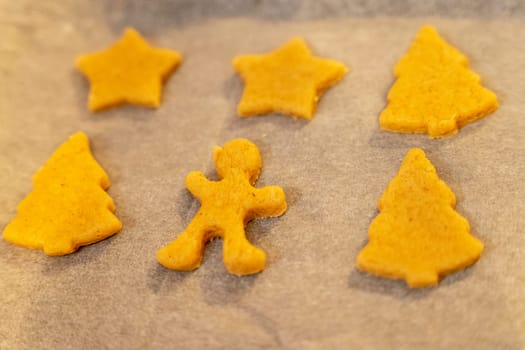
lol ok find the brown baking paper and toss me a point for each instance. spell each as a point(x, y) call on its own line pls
point(114, 294)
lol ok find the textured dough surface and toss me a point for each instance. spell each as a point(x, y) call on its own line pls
point(288, 80)
point(226, 206)
point(130, 71)
point(435, 91)
point(68, 206)
point(418, 236)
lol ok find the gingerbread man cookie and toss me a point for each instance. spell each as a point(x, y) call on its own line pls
point(226, 206)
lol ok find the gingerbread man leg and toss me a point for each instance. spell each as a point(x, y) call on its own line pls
point(185, 252)
point(240, 256)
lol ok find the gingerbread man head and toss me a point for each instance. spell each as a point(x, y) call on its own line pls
point(238, 155)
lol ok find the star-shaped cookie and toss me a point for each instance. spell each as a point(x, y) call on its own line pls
point(130, 71)
point(288, 80)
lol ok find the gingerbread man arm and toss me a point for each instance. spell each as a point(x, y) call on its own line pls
point(198, 184)
point(268, 201)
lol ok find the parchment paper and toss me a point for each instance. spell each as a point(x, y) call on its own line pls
point(114, 294)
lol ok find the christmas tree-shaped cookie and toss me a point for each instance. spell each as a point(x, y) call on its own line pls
point(68, 206)
point(435, 91)
point(418, 236)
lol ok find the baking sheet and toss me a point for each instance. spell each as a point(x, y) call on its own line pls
point(114, 294)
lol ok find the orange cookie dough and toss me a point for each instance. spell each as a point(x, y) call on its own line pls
point(130, 71)
point(418, 236)
point(226, 206)
point(435, 91)
point(68, 206)
point(288, 80)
